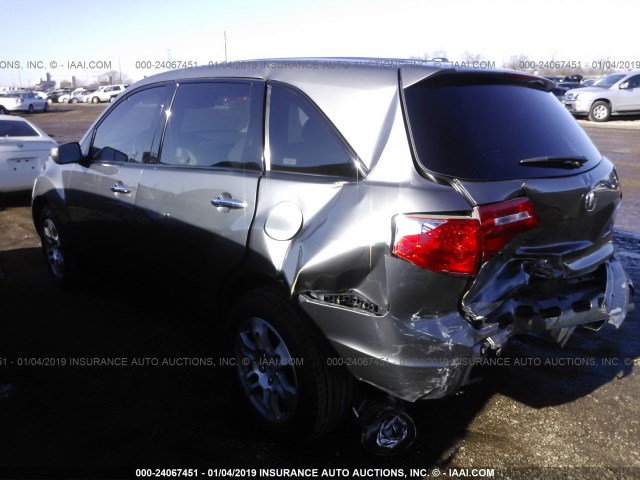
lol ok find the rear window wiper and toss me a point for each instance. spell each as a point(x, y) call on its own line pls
point(555, 162)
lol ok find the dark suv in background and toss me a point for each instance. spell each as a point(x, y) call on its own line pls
point(380, 222)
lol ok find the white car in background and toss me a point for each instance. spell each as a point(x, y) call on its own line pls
point(73, 97)
point(104, 94)
point(85, 97)
point(23, 150)
point(22, 101)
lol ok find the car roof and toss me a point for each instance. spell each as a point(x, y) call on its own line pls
point(373, 99)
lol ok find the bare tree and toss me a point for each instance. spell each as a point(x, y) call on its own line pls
point(113, 76)
point(518, 62)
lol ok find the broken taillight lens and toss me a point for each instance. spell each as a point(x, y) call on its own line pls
point(458, 245)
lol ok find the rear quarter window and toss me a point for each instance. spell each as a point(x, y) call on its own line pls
point(481, 131)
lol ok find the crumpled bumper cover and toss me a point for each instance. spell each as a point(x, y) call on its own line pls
point(431, 357)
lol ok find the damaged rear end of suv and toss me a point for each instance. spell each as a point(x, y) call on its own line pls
point(525, 246)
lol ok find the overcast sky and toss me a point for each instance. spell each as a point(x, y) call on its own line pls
point(123, 32)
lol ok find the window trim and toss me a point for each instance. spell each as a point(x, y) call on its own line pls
point(361, 169)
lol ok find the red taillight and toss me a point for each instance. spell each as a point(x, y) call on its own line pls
point(503, 221)
point(449, 245)
point(458, 245)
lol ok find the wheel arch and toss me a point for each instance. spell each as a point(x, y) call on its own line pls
point(39, 203)
point(243, 282)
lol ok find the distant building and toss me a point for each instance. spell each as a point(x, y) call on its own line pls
point(46, 84)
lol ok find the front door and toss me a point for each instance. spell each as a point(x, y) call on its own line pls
point(102, 189)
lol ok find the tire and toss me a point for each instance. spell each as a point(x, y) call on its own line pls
point(73, 100)
point(95, 100)
point(31, 108)
point(49, 101)
point(600, 111)
point(3, 111)
point(289, 400)
point(46, 107)
point(61, 263)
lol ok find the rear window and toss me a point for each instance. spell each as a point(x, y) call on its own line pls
point(16, 128)
point(481, 131)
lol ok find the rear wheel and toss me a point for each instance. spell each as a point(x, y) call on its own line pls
point(46, 107)
point(60, 260)
point(282, 369)
point(600, 112)
point(3, 111)
point(31, 108)
point(95, 100)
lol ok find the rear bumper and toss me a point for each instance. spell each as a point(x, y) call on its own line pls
point(419, 358)
point(409, 359)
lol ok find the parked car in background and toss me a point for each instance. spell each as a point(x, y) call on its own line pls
point(563, 87)
point(66, 98)
point(615, 94)
point(73, 96)
point(23, 150)
point(377, 228)
point(85, 97)
point(105, 94)
point(54, 95)
point(22, 102)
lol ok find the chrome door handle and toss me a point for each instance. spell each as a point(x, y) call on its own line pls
point(119, 188)
point(228, 203)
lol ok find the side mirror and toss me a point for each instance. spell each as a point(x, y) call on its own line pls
point(67, 153)
point(624, 86)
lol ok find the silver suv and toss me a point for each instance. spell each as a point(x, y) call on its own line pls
point(370, 223)
point(615, 94)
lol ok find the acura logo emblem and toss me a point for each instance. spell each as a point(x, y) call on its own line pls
point(590, 201)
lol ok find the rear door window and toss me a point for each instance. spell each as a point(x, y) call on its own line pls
point(480, 128)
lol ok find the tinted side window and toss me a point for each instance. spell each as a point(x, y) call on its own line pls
point(127, 133)
point(214, 124)
point(301, 139)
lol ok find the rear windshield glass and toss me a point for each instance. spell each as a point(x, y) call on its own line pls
point(482, 131)
point(16, 128)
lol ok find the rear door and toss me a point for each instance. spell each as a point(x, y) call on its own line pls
point(102, 190)
point(199, 200)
